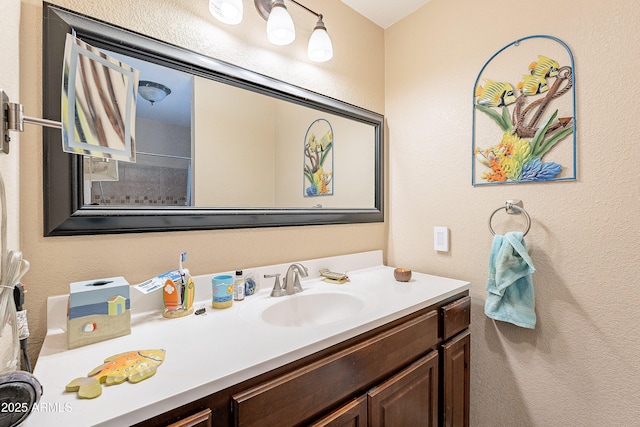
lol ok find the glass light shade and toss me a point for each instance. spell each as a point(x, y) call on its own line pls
point(227, 11)
point(280, 29)
point(152, 91)
point(320, 48)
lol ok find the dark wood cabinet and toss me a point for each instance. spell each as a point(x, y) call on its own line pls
point(413, 371)
point(305, 393)
point(455, 353)
point(455, 381)
point(409, 398)
point(353, 414)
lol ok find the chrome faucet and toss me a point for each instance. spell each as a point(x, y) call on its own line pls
point(291, 282)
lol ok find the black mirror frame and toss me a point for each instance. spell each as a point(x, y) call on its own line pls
point(64, 212)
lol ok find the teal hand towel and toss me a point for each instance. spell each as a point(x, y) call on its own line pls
point(510, 295)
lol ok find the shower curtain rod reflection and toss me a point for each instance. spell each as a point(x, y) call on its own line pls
point(168, 156)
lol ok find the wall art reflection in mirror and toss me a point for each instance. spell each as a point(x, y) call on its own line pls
point(318, 159)
point(98, 103)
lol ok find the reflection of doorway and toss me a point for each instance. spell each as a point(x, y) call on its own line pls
point(162, 173)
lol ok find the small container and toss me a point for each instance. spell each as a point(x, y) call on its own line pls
point(222, 291)
point(402, 274)
point(238, 286)
point(249, 286)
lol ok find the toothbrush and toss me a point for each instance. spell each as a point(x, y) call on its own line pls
point(183, 257)
point(183, 286)
point(183, 271)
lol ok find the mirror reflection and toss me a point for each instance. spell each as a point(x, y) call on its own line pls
point(210, 144)
point(257, 144)
point(162, 174)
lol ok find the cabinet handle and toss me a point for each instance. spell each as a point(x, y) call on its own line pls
point(199, 419)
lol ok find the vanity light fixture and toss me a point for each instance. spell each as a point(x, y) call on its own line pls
point(280, 28)
point(152, 91)
point(320, 48)
point(279, 21)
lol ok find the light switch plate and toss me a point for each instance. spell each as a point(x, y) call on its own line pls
point(441, 239)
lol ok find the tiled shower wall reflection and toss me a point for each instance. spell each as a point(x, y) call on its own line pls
point(161, 172)
point(143, 185)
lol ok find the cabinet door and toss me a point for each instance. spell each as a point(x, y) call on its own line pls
point(455, 360)
point(353, 414)
point(409, 398)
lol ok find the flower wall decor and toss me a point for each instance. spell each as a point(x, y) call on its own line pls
point(318, 159)
point(521, 132)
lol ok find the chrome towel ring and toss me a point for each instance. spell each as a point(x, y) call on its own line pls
point(512, 207)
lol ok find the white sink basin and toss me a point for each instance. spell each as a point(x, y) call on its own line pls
point(312, 309)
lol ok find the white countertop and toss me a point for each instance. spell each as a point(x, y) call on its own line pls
point(206, 354)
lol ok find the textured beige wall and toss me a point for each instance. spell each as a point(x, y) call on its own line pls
point(581, 365)
point(9, 82)
point(220, 117)
point(60, 260)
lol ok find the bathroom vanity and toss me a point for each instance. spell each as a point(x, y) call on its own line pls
point(372, 351)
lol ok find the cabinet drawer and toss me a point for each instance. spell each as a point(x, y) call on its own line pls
point(304, 393)
point(201, 419)
point(456, 317)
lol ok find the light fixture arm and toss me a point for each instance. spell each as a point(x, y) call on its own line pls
point(13, 119)
point(318, 15)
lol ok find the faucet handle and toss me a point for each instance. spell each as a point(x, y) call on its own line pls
point(277, 287)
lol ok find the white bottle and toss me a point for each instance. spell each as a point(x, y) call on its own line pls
point(238, 286)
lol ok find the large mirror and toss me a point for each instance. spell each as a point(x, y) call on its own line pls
point(217, 146)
